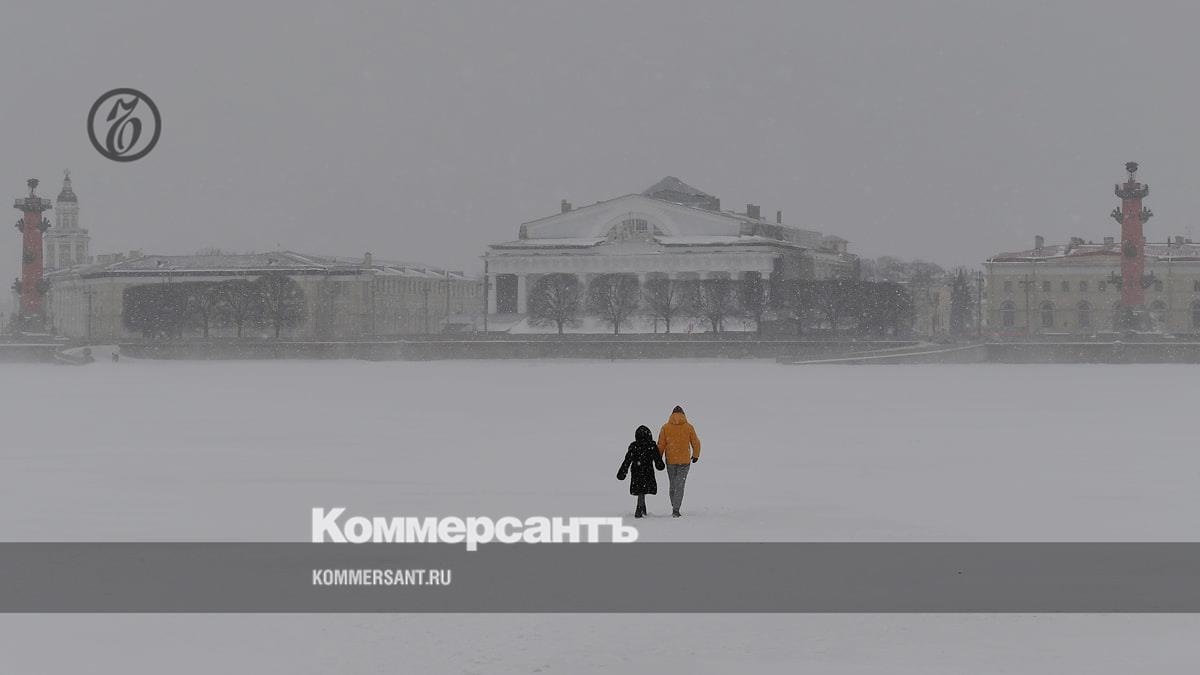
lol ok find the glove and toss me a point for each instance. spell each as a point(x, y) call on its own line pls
point(695, 459)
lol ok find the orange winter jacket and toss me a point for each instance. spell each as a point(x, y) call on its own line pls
point(675, 438)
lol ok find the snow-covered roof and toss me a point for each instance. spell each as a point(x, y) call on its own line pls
point(689, 240)
point(673, 218)
point(670, 212)
point(1178, 251)
point(277, 260)
point(551, 242)
point(252, 263)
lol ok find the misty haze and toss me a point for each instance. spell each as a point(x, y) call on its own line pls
point(671, 337)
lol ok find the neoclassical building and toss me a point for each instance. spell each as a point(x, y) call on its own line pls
point(1074, 288)
point(344, 298)
point(670, 230)
point(66, 243)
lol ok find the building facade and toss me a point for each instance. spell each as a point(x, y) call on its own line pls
point(671, 230)
point(66, 243)
point(1075, 288)
point(343, 298)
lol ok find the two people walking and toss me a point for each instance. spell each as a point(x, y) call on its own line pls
point(677, 444)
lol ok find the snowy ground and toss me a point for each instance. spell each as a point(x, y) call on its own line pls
point(242, 451)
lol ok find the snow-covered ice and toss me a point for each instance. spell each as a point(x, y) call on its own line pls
point(241, 451)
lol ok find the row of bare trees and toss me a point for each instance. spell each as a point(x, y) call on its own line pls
point(559, 300)
point(166, 310)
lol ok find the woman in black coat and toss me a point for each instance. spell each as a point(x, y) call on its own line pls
point(641, 459)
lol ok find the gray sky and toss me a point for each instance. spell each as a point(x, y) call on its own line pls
point(423, 131)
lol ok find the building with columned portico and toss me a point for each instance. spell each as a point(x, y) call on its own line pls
point(671, 230)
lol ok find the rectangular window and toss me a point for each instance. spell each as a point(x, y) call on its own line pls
point(1083, 287)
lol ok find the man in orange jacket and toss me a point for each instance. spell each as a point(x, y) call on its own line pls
point(680, 446)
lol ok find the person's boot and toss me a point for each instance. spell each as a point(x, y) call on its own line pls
point(676, 514)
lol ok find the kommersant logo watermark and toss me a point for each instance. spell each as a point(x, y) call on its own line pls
point(328, 526)
point(124, 125)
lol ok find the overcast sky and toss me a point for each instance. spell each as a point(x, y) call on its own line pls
point(423, 131)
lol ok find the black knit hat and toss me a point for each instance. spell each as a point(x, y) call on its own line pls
point(678, 409)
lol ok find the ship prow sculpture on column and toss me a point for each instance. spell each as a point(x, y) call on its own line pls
point(31, 288)
point(1131, 312)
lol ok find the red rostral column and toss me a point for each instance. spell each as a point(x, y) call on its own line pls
point(31, 286)
point(1132, 215)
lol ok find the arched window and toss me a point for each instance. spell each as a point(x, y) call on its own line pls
point(1047, 315)
point(1008, 314)
point(1119, 315)
point(633, 227)
point(1084, 311)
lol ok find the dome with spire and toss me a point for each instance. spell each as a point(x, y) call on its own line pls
point(66, 194)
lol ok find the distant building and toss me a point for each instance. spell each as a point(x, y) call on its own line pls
point(66, 243)
point(1075, 288)
point(344, 298)
point(670, 230)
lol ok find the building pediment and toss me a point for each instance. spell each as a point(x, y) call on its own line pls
point(598, 220)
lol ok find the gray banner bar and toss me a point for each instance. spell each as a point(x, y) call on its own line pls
point(639, 577)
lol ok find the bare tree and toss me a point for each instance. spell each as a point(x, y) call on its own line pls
point(283, 301)
point(836, 299)
point(962, 303)
point(555, 300)
point(240, 304)
point(794, 299)
point(666, 298)
point(158, 311)
point(203, 304)
point(883, 308)
point(614, 298)
point(716, 301)
point(753, 299)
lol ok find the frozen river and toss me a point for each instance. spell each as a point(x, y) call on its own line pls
point(241, 451)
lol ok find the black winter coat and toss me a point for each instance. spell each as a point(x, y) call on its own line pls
point(641, 460)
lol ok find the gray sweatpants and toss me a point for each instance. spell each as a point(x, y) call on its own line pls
point(677, 474)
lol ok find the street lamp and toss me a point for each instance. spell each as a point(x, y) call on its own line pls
point(978, 303)
point(486, 308)
point(425, 291)
point(89, 294)
point(446, 318)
